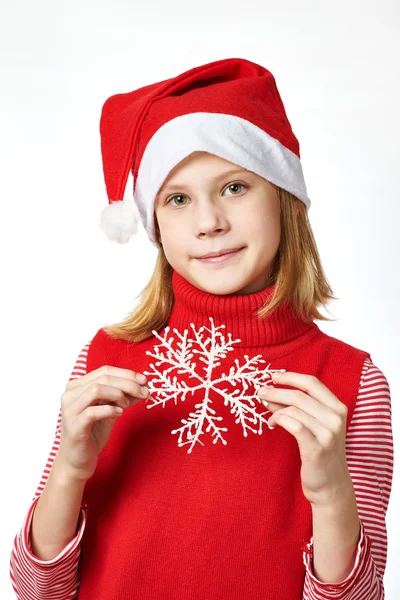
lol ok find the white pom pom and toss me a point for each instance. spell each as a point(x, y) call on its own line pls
point(119, 220)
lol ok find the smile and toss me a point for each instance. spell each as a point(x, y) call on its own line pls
point(221, 259)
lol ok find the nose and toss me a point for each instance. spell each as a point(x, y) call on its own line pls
point(208, 218)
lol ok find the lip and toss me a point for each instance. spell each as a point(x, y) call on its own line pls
point(222, 257)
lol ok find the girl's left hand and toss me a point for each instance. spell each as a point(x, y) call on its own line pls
point(317, 419)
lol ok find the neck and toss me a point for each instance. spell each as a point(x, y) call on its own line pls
point(237, 313)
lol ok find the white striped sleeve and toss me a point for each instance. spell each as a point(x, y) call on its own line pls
point(369, 453)
point(57, 579)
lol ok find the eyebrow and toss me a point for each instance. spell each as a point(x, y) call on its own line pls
point(217, 178)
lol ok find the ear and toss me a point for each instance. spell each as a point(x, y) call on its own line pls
point(157, 228)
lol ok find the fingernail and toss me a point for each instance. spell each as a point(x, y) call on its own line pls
point(144, 390)
point(264, 402)
point(277, 374)
point(140, 377)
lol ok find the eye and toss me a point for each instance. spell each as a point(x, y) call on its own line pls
point(173, 198)
point(235, 185)
point(231, 185)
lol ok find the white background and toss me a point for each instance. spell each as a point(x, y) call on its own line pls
point(337, 70)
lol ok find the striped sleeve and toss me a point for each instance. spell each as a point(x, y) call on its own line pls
point(369, 453)
point(57, 579)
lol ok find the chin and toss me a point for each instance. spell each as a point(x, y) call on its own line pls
point(220, 284)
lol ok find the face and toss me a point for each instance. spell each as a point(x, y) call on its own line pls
point(202, 207)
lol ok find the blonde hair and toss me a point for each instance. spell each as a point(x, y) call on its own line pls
point(296, 270)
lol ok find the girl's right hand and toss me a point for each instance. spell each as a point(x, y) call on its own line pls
point(89, 413)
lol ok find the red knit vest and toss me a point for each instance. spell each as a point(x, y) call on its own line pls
point(222, 516)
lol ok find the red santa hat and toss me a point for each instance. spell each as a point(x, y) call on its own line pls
point(230, 108)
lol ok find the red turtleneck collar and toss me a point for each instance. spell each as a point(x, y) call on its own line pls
point(237, 313)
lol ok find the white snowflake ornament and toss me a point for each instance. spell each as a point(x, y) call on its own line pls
point(209, 348)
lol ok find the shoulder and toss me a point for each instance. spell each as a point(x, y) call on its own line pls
point(341, 344)
point(334, 351)
point(373, 380)
point(371, 375)
point(105, 349)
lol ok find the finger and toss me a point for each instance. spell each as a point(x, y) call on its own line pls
point(97, 413)
point(100, 394)
point(306, 441)
point(302, 426)
point(304, 402)
point(128, 386)
point(309, 384)
point(107, 370)
point(272, 406)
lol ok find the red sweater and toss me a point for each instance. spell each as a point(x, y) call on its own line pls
point(194, 496)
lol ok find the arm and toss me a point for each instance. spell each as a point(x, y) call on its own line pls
point(56, 514)
point(369, 452)
point(46, 550)
point(336, 532)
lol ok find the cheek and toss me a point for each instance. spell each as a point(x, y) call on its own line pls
point(172, 234)
point(168, 226)
point(267, 227)
point(174, 238)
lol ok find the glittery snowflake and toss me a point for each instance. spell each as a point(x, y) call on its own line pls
point(210, 345)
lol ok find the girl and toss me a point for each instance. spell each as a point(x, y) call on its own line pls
point(256, 473)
